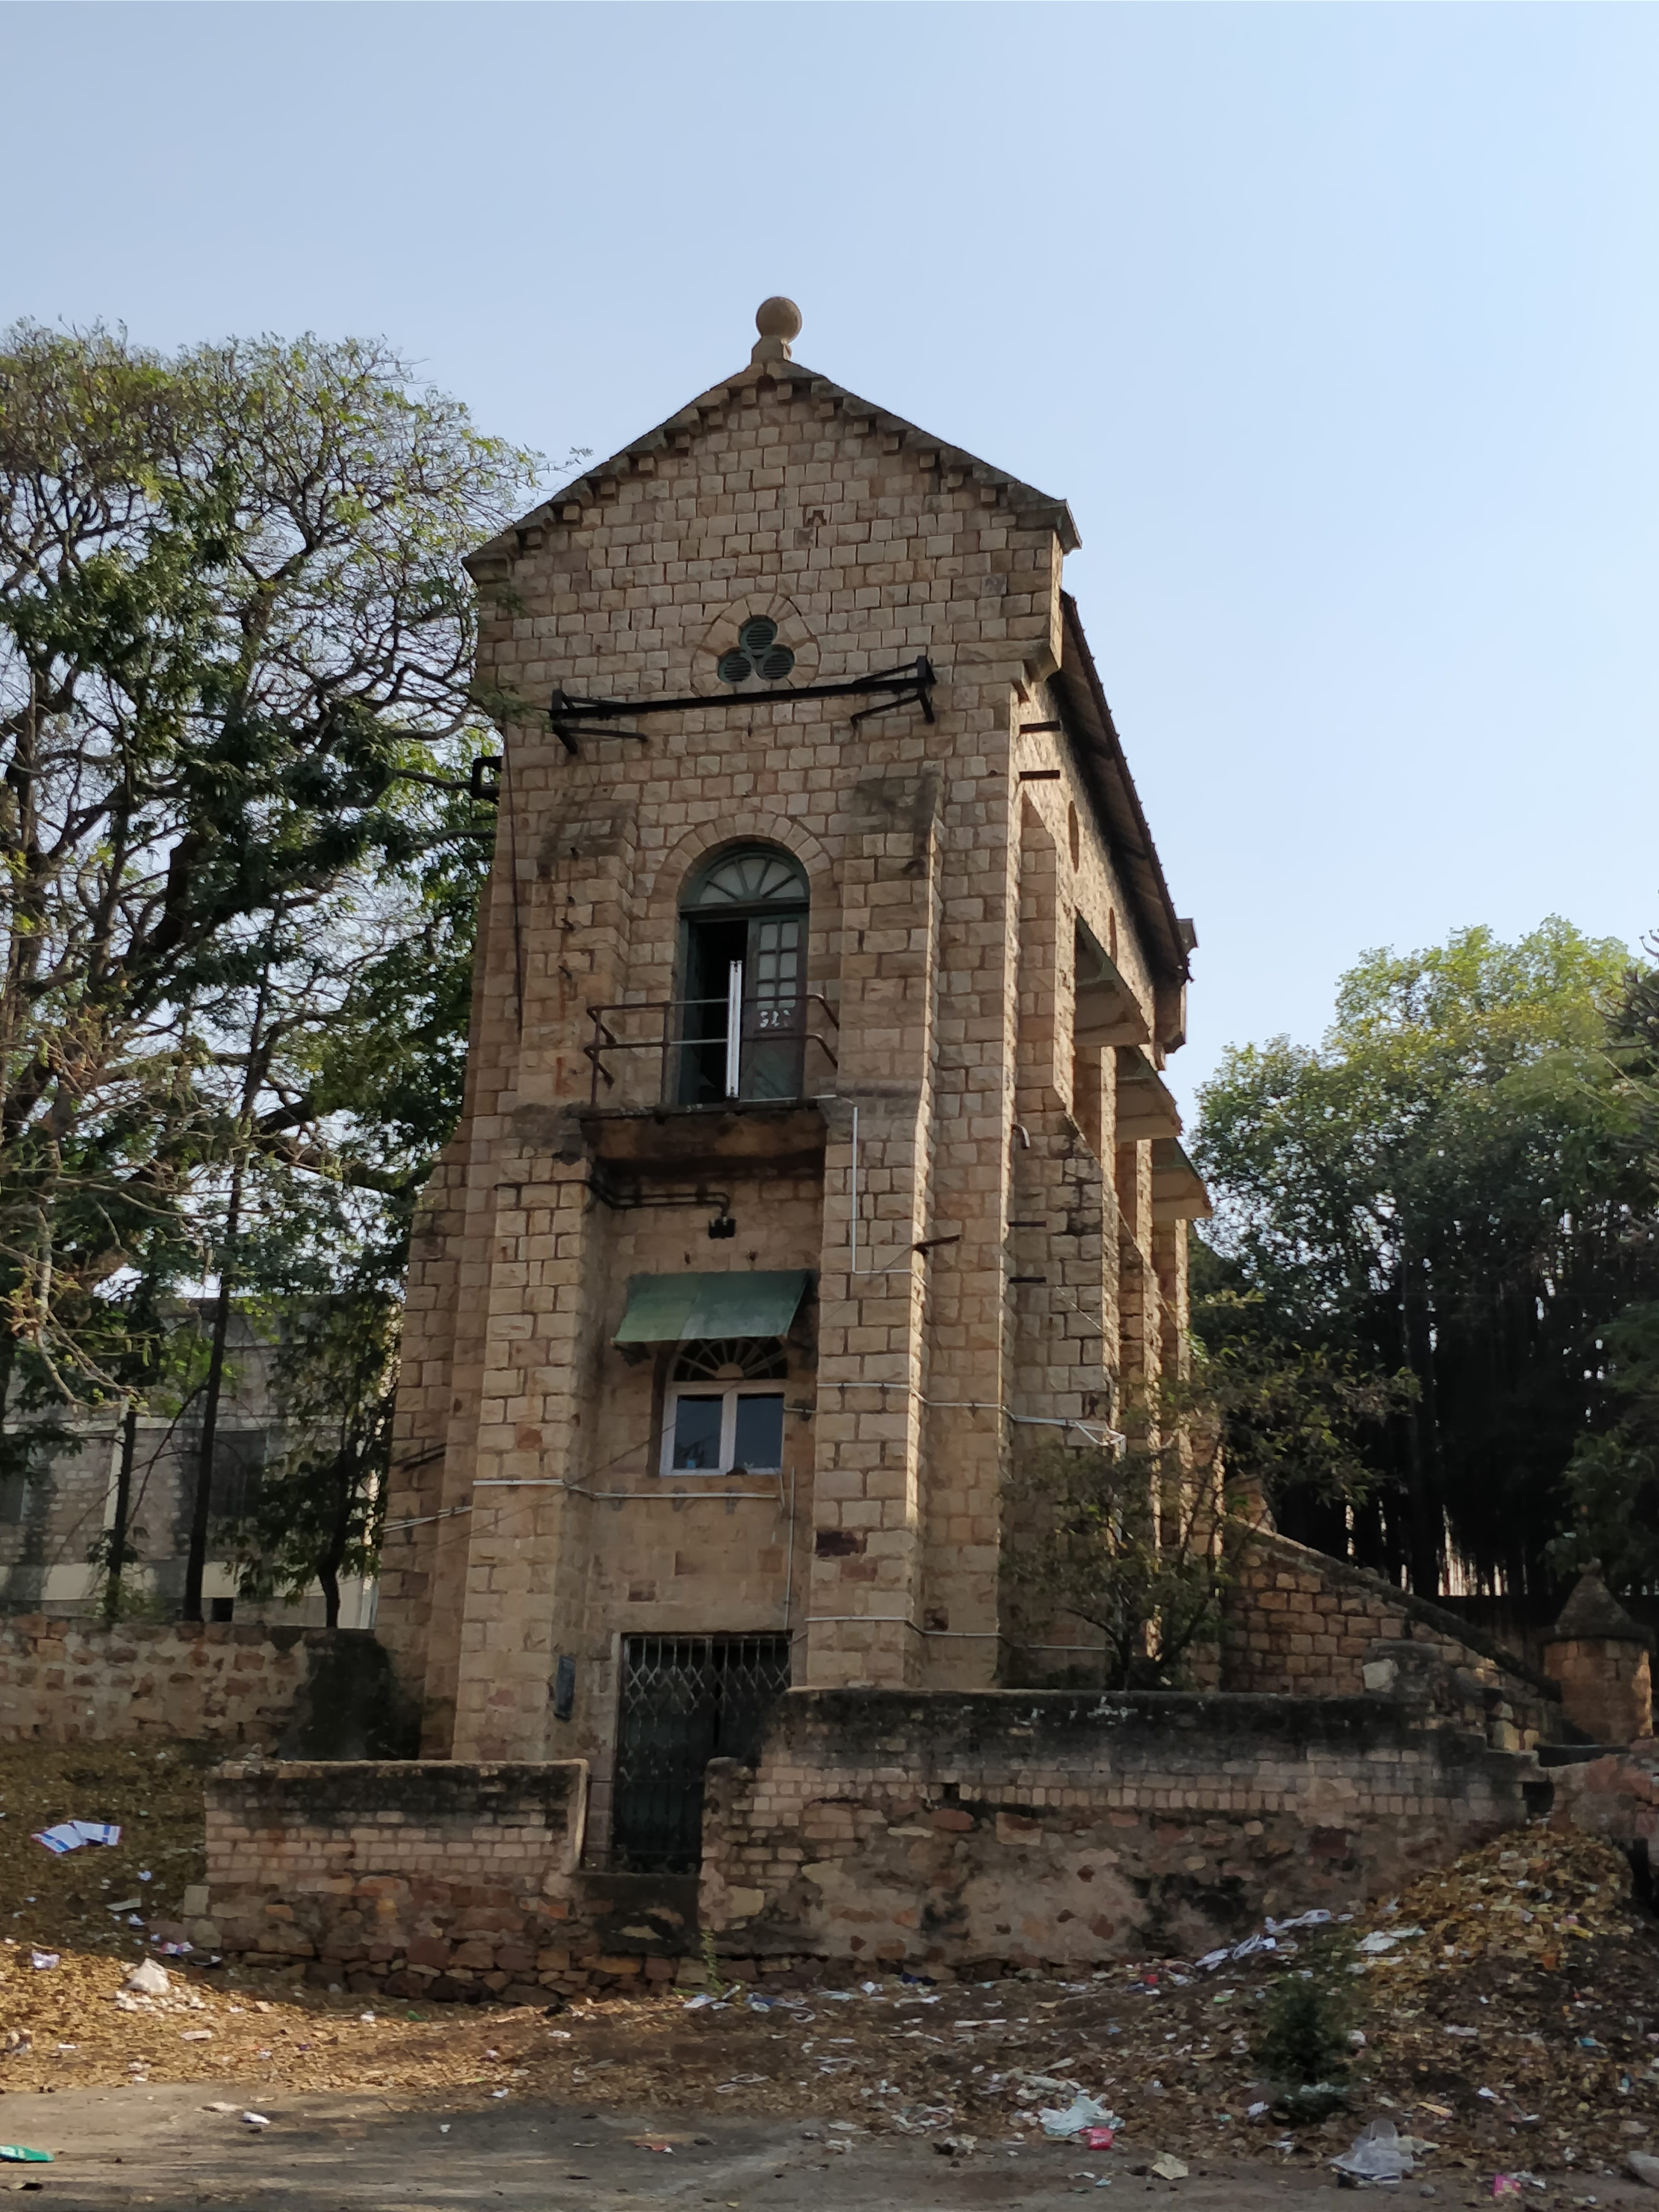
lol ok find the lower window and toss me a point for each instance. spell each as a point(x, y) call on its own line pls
point(725, 1411)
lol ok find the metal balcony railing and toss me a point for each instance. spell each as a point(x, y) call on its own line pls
point(710, 1053)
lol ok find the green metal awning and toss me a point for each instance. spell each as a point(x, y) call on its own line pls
point(670, 1309)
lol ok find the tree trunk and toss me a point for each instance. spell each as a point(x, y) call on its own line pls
point(328, 1567)
point(1426, 1531)
point(118, 1534)
point(195, 1563)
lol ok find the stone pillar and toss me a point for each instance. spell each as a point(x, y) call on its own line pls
point(1598, 1655)
point(867, 1566)
point(528, 1328)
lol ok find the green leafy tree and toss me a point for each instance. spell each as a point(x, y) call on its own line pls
point(236, 728)
point(1294, 1420)
point(1142, 1540)
point(1612, 1478)
point(321, 1504)
point(1137, 1543)
point(1445, 1188)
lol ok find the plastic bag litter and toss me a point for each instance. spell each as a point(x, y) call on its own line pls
point(1168, 2167)
point(1081, 2114)
point(43, 1961)
point(21, 2154)
point(1375, 2153)
point(149, 1979)
point(1384, 1940)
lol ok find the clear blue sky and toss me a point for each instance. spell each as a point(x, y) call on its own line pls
point(1336, 325)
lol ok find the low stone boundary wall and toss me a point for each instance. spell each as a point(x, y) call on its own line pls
point(1300, 1624)
point(953, 1833)
point(1614, 1795)
point(70, 1682)
point(1027, 1827)
point(420, 1877)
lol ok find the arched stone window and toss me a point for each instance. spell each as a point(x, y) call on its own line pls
point(744, 964)
point(724, 1408)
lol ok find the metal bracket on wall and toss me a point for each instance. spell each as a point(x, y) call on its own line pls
point(912, 684)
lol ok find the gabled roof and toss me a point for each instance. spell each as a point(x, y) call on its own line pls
point(1077, 685)
point(1037, 508)
point(1099, 750)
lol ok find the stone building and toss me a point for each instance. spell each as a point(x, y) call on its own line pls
point(51, 1519)
point(816, 1149)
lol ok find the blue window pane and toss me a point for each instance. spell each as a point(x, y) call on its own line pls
point(760, 1431)
point(697, 1434)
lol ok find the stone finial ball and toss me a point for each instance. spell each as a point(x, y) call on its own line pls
point(778, 318)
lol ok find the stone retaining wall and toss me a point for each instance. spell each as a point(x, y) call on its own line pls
point(1614, 1794)
point(422, 1878)
point(1049, 1827)
point(954, 1833)
point(67, 1681)
point(1301, 1624)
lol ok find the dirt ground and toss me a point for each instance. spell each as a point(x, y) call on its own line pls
point(1508, 2008)
point(159, 2148)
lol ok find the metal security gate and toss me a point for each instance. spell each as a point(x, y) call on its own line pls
point(684, 1700)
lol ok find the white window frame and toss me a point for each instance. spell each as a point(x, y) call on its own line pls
point(728, 1394)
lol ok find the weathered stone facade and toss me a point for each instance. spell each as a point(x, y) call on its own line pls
point(972, 1159)
point(1043, 1828)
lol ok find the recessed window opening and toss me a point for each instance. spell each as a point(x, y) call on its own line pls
point(742, 1028)
point(725, 1410)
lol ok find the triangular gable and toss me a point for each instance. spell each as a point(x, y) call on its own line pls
point(566, 505)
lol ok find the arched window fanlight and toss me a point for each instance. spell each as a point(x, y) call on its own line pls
point(758, 876)
point(731, 1359)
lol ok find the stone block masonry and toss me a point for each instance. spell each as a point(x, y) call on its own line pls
point(419, 1878)
point(1301, 1624)
point(956, 1832)
point(964, 1832)
point(923, 1157)
point(71, 1681)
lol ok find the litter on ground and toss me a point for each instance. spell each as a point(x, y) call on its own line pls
point(1531, 1943)
point(1375, 2153)
point(75, 1835)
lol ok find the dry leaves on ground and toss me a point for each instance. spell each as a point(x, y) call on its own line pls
point(1518, 2030)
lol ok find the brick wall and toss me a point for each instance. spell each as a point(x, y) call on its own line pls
point(1301, 1624)
point(960, 1832)
point(417, 1878)
point(63, 1681)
